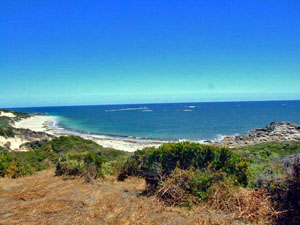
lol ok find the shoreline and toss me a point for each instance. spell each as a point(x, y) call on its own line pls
point(47, 124)
point(275, 131)
point(41, 123)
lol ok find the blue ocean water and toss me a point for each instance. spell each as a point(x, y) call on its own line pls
point(193, 121)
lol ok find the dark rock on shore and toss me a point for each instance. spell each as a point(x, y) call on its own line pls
point(275, 131)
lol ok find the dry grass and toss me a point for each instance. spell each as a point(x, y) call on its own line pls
point(241, 203)
point(46, 199)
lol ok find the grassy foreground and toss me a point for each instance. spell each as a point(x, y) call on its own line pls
point(246, 185)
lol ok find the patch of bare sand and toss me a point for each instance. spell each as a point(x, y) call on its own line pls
point(14, 143)
point(46, 199)
point(7, 114)
point(36, 123)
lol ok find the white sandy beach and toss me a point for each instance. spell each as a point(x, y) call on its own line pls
point(36, 123)
point(129, 146)
point(41, 124)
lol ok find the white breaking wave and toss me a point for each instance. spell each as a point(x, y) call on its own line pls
point(127, 109)
point(54, 124)
point(190, 106)
point(147, 110)
point(220, 137)
point(187, 110)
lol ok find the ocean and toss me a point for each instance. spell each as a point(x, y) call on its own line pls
point(171, 121)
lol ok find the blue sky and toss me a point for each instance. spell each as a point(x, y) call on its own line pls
point(109, 52)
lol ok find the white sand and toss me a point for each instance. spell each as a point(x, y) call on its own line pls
point(7, 114)
point(14, 143)
point(129, 146)
point(41, 124)
point(36, 123)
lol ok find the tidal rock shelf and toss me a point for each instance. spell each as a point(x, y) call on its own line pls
point(274, 132)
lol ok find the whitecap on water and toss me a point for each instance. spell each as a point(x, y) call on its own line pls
point(127, 109)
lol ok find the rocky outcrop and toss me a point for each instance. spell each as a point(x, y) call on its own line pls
point(276, 131)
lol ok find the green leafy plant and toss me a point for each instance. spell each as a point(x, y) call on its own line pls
point(81, 164)
point(204, 162)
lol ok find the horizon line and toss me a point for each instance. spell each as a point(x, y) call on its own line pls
point(153, 103)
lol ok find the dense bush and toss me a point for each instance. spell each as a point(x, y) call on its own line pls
point(276, 167)
point(185, 187)
point(70, 144)
point(206, 163)
point(285, 192)
point(265, 161)
point(44, 154)
point(82, 164)
point(11, 165)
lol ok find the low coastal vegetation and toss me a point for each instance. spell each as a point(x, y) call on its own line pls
point(205, 164)
point(253, 184)
point(257, 183)
point(70, 155)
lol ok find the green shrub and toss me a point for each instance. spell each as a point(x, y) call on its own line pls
point(265, 161)
point(75, 144)
point(206, 162)
point(75, 150)
point(113, 167)
point(11, 165)
point(71, 144)
point(82, 164)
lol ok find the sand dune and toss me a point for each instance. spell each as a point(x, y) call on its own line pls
point(7, 114)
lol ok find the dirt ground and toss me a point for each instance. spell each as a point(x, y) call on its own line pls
point(46, 199)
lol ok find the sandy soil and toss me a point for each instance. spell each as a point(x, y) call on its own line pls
point(35, 123)
point(7, 114)
point(14, 143)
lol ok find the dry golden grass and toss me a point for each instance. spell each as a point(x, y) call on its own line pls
point(46, 199)
point(241, 203)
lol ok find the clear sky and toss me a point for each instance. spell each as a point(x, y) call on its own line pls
point(55, 52)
